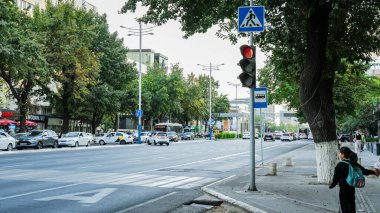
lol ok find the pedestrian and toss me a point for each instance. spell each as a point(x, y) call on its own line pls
point(347, 192)
point(358, 142)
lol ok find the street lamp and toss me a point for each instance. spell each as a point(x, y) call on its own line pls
point(210, 68)
point(236, 106)
point(139, 32)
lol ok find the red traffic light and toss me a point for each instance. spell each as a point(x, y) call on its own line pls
point(247, 52)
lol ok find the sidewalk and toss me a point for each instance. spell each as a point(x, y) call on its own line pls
point(295, 188)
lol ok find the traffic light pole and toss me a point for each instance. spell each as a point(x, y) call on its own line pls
point(252, 185)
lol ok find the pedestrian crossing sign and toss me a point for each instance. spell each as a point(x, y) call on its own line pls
point(251, 19)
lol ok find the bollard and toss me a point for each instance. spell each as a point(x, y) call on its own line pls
point(273, 169)
point(289, 162)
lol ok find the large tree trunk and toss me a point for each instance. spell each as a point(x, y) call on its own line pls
point(316, 92)
point(65, 113)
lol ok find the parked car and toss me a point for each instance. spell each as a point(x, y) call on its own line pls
point(97, 137)
point(116, 138)
point(310, 136)
point(246, 135)
point(344, 138)
point(75, 139)
point(277, 135)
point(269, 137)
point(7, 142)
point(286, 137)
point(38, 139)
point(144, 136)
point(17, 136)
point(158, 138)
point(187, 136)
point(172, 136)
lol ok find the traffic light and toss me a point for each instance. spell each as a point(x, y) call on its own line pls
point(248, 66)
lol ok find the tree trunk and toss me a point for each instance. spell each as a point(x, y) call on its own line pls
point(65, 114)
point(23, 110)
point(316, 91)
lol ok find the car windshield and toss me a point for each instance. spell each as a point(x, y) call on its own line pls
point(72, 134)
point(35, 133)
point(171, 133)
point(187, 133)
point(161, 134)
point(285, 134)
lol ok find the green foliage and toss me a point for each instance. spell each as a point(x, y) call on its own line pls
point(22, 63)
point(225, 135)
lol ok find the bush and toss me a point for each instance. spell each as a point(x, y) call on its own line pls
point(225, 135)
point(369, 139)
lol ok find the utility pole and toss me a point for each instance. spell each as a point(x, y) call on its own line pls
point(236, 106)
point(139, 32)
point(210, 68)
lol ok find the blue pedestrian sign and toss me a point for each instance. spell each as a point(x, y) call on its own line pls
point(251, 19)
point(139, 113)
point(260, 98)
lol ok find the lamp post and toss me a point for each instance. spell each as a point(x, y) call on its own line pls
point(139, 32)
point(236, 106)
point(210, 68)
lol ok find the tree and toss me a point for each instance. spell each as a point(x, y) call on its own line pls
point(115, 89)
point(155, 97)
point(310, 37)
point(193, 102)
point(176, 92)
point(22, 60)
point(69, 34)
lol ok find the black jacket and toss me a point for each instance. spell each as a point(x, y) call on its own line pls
point(341, 173)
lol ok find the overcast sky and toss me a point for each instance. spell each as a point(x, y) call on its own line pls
point(198, 49)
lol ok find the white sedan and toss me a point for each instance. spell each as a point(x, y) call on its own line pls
point(75, 139)
point(116, 138)
point(7, 142)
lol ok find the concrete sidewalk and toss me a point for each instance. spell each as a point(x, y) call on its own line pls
point(295, 188)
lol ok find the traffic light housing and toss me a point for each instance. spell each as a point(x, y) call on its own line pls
point(248, 66)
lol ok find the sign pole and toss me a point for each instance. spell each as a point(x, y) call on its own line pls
point(252, 185)
point(262, 135)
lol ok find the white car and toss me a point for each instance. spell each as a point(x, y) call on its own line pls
point(246, 135)
point(116, 138)
point(310, 136)
point(75, 139)
point(7, 142)
point(286, 137)
point(158, 138)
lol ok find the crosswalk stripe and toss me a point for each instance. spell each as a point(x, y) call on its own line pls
point(140, 183)
point(196, 183)
point(158, 183)
point(146, 180)
point(130, 180)
point(179, 183)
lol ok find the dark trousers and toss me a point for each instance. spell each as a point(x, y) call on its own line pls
point(347, 202)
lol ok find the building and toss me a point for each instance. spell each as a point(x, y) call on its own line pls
point(288, 117)
point(148, 57)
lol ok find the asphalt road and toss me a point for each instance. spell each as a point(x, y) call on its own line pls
point(129, 178)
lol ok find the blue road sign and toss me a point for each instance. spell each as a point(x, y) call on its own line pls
point(260, 97)
point(139, 113)
point(251, 19)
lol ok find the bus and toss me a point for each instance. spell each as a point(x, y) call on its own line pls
point(169, 127)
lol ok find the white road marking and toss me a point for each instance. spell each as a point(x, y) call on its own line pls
point(98, 195)
point(39, 191)
point(145, 203)
point(181, 182)
point(90, 166)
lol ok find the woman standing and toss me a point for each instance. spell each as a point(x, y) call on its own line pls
point(347, 192)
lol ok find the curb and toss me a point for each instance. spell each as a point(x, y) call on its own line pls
point(230, 200)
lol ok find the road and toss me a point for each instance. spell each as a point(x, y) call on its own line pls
point(130, 178)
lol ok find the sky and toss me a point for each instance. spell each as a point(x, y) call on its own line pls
point(198, 49)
